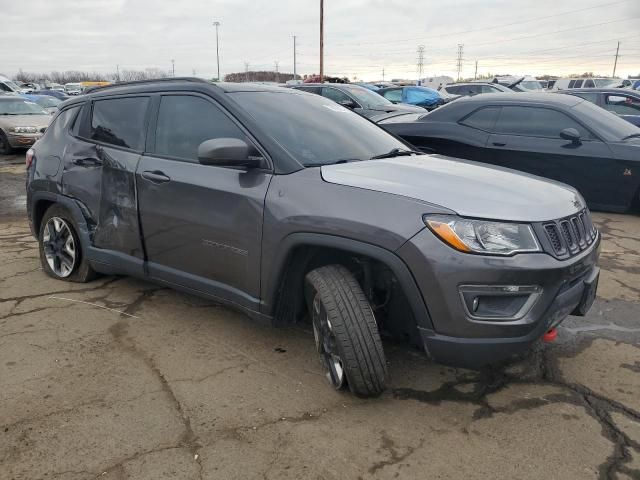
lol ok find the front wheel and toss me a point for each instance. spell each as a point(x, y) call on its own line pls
point(345, 331)
point(61, 253)
point(5, 146)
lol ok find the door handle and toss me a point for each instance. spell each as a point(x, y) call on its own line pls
point(499, 144)
point(155, 176)
point(87, 162)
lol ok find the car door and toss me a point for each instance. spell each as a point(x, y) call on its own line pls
point(527, 138)
point(202, 224)
point(99, 171)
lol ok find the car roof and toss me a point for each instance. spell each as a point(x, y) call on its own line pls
point(5, 98)
point(602, 90)
point(336, 85)
point(542, 98)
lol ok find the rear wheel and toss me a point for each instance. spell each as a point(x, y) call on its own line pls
point(5, 147)
point(345, 331)
point(61, 253)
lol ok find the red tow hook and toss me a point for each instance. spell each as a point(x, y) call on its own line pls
point(550, 336)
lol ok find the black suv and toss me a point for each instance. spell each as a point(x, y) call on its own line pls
point(288, 206)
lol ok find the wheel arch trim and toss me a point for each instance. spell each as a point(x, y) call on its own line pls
point(271, 280)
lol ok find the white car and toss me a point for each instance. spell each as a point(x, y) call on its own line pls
point(568, 83)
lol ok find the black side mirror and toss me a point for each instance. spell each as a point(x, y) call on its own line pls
point(572, 135)
point(348, 103)
point(227, 152)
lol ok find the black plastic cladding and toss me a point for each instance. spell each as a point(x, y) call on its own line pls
point(568, 236)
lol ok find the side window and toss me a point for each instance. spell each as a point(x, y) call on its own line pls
point(393, 95)
point(185, 121)
point(536, 122)
point(57, 130)
point(482, 119)
point(622, 105)
point(120, 121)
point(315, 90)
point(589, 97)
point(572, 84)
point(589, 84)
point(578, 84)
point(452, 90)
point(335, 95)
point(487, 89)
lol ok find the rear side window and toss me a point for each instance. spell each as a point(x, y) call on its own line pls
point(335, 95)
point(589, 97)
point(185, 121)
point(482, 119)
point(589, 84)
point(536, 122)
point(120, 121)
point(452, 90)
point(60, 125)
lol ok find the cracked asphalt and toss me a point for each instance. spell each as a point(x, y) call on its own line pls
point(120, 379)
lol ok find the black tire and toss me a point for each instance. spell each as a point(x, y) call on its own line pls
point(352, 330)
point(80, 270)
point(5, 148)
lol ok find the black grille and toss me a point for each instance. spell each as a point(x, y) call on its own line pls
point(571, 235)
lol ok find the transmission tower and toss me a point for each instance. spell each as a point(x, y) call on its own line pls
point(459, 61)
point(420, 62)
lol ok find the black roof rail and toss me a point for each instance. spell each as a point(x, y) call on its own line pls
point(142, 82)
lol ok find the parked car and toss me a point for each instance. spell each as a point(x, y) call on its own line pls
point(48, 103)
point(569, 83)
point(21, 123)
point(475, 88)
point(561, 137)
point(56, 87)
point(8, 86)
point(288, 206)
point(357, 98)
point(413, 95)
point(73, 88)
point(53, 93)
point(520, 84)
point(624, 103)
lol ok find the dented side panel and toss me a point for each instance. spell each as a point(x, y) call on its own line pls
point(102, 179)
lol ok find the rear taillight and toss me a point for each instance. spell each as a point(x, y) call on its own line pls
point(29, 157)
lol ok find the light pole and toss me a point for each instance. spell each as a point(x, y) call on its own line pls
point(321, 40)
point(217, 24)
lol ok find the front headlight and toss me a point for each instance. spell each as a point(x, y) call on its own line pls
point(25, 129)
point(483, 236)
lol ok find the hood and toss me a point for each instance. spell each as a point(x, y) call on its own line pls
point(470, 189)
point(40, 121)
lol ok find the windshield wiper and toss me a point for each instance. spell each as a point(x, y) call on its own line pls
point(633, 135)
point(334, 162)
point(396, 152)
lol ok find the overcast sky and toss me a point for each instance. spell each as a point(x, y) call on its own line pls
point(361, 36)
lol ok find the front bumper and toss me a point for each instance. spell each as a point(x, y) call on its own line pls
point(21, 140)
point(458, 338)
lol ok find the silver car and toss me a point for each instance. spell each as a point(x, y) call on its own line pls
point(21, 123)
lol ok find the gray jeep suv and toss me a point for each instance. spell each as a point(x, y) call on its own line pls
point(289, 207)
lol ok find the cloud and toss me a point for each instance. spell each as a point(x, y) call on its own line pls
point(361, 36)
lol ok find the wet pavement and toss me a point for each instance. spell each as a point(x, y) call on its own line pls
point(120, 379)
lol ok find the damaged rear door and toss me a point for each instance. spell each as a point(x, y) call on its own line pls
point(106, 155)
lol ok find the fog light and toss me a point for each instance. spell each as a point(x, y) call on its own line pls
point(498, 302)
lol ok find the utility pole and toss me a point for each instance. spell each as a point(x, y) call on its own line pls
point(615, 63)
point(118, 73)
point(246, 71)
point(217, 24)
point(383, 74)
point(321, 40)
point(295, 76)
point(277, 72)
point(459, 61)
point(420, 63)
point(475, 75)
point(173, 67)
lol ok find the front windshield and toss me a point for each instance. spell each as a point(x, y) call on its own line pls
point(315, 130)
point(47, 101)
point(20, 107)
point(608, 125)
point(531, 85)
point(367, 98)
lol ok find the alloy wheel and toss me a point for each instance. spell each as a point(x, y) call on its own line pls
point(59, 247)
point(326, 345)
